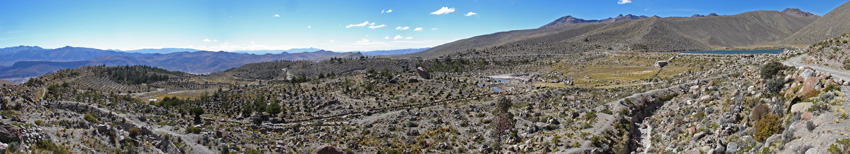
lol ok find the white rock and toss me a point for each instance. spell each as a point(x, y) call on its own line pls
point(801, 107)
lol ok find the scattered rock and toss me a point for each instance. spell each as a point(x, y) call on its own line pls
point(698, 136)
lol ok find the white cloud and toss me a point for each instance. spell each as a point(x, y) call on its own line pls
point(402, 28)
point(309, 26)
point(434, 28)
point(471, 14)
point(409, 37)
point(386, 37)
point(207, 40)
point(375, 27)
point(332, 41)
point(358, 25)
point(624, 1)
point(363, 41)
point(443, 10)
point(390, 11)
point(418, 29)
point(276, 15)
point(397, 37)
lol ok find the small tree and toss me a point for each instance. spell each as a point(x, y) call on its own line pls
point(273, 108)
point(260, 104)
point(771, 69)
point(504, 119)
point(197, 112)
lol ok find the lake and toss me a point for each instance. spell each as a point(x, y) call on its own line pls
point(735, 52)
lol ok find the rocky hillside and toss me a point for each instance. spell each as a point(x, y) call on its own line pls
point(746, 30)
point(830, 25)
point(833, 53)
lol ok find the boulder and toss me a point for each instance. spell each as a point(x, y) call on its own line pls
point(801, 107)
point(9, 133)
point(423, 73)
point(807, 72)
point(809, 85)
point(812, 151)
point(719, 149)
point(326, 149)
point(732, 147)
point(698, 135)
point(806, 116)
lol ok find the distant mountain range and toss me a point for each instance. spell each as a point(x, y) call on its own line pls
point(30, 61)
point(756, 29)
point(392, 52)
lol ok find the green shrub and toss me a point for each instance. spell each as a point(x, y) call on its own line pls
point(193, 130)
point(840, 146)
point(47, 145)
point(90, 118)
point(767, 126)
point(606, 111)
point(774, 86)
point(590, 116)
point(771, 69)
point(831, 87)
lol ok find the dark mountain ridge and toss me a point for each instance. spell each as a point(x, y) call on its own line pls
point(567, 20)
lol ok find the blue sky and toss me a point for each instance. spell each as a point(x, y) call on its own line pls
point(338, 25)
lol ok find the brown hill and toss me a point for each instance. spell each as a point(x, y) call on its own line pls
point(831, 25)
point(4, 82)
point(745, 30)
point(569, 20)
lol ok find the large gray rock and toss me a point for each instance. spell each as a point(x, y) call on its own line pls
point(812, 151)
point(732, 147)
point(801, 107)
point(807, 73)
point(9, 133)
point(698, 136)
point(719, 149)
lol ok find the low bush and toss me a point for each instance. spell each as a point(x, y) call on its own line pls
point(766, 126)
point(90, 118)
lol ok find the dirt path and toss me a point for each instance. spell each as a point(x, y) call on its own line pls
point(797, 62)
point(646, 136)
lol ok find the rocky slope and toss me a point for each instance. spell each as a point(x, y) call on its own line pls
point(830, 25)
point(745, 30)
